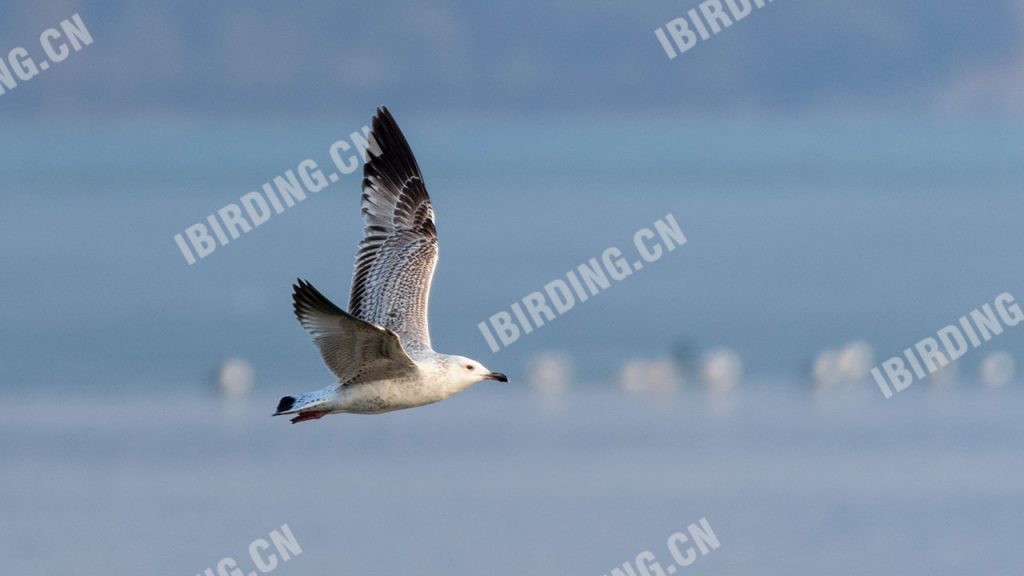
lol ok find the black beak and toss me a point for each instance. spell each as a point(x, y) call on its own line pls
point(497, 376)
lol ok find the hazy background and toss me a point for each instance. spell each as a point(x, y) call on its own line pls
point(558, 57)
point(843, 172)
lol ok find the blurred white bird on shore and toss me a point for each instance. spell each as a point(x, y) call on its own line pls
point(825, 373)
point(855, 361)
point(721, 370)
point(657, 377)
point(235, 378)
point(842, 369)
point(997, 369)
point(550, 375)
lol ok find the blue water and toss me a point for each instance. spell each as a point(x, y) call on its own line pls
point(803, 234)
point(115, 457)
point(494, 481)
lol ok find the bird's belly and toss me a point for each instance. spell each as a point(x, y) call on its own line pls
point(377, 397)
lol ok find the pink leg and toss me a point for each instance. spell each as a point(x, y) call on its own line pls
point(311, 415)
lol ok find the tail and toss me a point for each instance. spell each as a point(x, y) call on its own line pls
point(285, 405)
point(309, 406)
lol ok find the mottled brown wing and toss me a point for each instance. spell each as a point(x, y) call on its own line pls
point(397, 256)
point(354, 350)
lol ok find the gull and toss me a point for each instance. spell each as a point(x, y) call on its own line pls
point(380, 349)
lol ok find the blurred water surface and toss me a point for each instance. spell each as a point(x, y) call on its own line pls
point(803, 234)
point(493, 481)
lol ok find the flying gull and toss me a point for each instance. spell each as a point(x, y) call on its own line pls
point(380, 349)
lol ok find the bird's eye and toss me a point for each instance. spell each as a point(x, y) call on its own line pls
point(468, 367)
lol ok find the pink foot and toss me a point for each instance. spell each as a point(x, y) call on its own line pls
point(311, 415)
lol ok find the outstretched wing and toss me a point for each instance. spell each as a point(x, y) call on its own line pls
point(398, 253)
point(354, 350)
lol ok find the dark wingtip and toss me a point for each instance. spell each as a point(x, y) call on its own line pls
point(395, 159)
point(285, 404)
point(306, 297)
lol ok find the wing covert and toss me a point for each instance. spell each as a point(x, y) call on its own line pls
point(354, 350)
point(398, 254)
